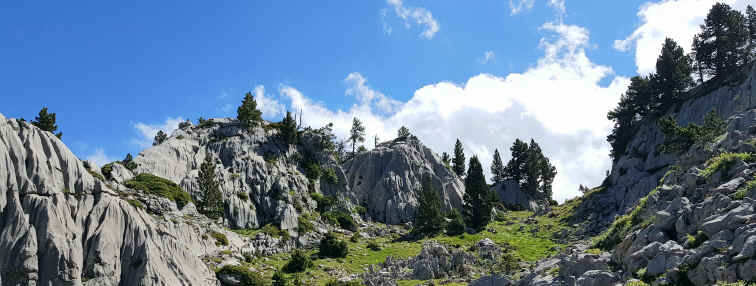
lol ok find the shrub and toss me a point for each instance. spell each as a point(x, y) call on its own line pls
point(304, 225)
point(330, 246)
point(355, 237)
point(107, 170)
point(220, 239)
point(299, 262)
point(324, 202)
point(724, 161)
point(243, 196)
point(679, 139)
point(343, 283)
point(457, 224)
point(362, 211)
point(330, 176)
point(247, 277)
point(274, 231)
point(374, 246)
point(694, 241)
point(279, 279)
point(312, 171)
point(342, 219)
point(155, 185)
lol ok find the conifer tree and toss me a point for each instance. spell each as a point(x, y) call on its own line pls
point(211, 204)
point(673, 69)
point(751, 23)
point(459, 159)
point(159, 138)
point(128, 162)
point(497, 167)
point(516, 165)
point(722, 43)
point(429, 219)
point(477, 198)
point(357, 133)
point(288, 131)
point(248, 113)
point(46, 122)
point(446, 159)
point(403, 132)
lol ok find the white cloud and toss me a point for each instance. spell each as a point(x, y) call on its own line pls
point(488, 56)
point(147, 132)
point(418, 15)
point(676, 19)
point(99, 157)
point(270, 107)
point(356, 86)
point(519, 6)
point(558, 101)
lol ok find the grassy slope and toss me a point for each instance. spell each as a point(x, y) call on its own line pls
point(529, 246)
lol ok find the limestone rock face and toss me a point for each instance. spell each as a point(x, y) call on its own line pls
point(510, 195)
point(387, 180)
point(59, 225)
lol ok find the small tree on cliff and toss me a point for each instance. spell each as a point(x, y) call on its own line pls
point(211, 204)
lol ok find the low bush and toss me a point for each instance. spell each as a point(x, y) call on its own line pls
point(304, 224)
point(324, 202)
point(220, 239)
point(374, 246)
point(107, 170)
point(247, 277)
point(331, 246)
point(330, 176)
point(299, 262)
point(623, 225)
point(312, 171)
point(243, 196)
point(724, 161)
point(342, 219)
point(694, 241)
point(274, 231)
point(155, 185)
point(679, 139)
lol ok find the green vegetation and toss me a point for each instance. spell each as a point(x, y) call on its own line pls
point(330, 176)
point(428, 219)
point(341, 219)
point(279, 279)
point(343, 283)
point(497, 167)
point(324, 202)
point(135, 203)
point(623, 225)
point(458, 162)
point(356, 134)
point(155, 185)
point(331, 246)
point(595, 251)
point(304, 224)
point(724, 161)
point(678, 139)
point(312, 170)
point(96, 175)
point(248, 113)
point(159, 138)
point(248, 278)
point(457, 224)
point(531, 169)
point(738, 283)
point(694, 241)
point(288, 129)
point(220, 239)
point(478, 200)
point(374, 246)
point(46, 122)
point(128, 162)
point(243, 196)
point(211, 204)
point(107, 170)
point(299, 262)
point(636, 283)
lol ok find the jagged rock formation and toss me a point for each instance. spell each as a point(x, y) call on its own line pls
point(61, 226)
point(513, 198)
point(387, 180)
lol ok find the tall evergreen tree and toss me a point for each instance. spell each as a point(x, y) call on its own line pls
point(497, 167)
point(211, 204)
point(635, 103)
point(429, 219)
point(248, 113)
point(288, 131)
point(159, 138)
point(46, 122)
point(477, 198)
point(539, 173)
point(722, 43)
point(357, 133)
point(751, 23)
point(458, 162)
point(514, 168)
point(403, 132)
point(673, 69)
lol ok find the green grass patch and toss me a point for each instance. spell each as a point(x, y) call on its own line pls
point(694, 241)
point(220, 239)
point(248, 278)
point(623, 225)
point(155, 185)
point(724, 161)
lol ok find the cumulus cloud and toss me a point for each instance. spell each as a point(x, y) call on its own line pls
point(356, 85)
point(676, 19)
point(488, 56)
point(558, 102)
point(269, 106)
point(414, 15)
point(147, 132)
point(99, 157)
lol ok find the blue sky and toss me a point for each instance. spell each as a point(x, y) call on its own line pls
point(117, 72)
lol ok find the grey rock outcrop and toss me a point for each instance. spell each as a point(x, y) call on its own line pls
point(510, 195)
point(387, 180)
point(59, 225)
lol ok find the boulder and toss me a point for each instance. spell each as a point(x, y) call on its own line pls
point(491, 280)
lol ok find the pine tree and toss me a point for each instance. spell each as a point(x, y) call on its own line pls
point(638, 101)
point(357, 133)
point(211, 204)
point(159, 138)
point(673, 69)
point(722, 43)
point(429, 219)
point(459, 159)
point(477, 198)
point(128, 162)
point(514, 168)
point(46, 122)
point(497, 167)
point(288, 130)
point(751, 23)
point(248, 113)
point(446, 159)
point(538, 174)
point(403, 133)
